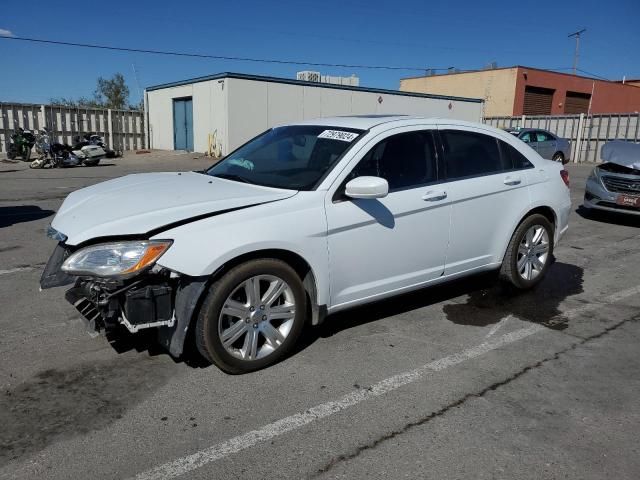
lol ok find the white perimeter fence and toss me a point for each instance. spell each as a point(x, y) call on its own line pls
point(121, 129)
point(588, 133)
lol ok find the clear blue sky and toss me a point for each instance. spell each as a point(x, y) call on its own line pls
point(466, 34)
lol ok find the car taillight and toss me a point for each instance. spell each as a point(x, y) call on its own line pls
point(565, 177)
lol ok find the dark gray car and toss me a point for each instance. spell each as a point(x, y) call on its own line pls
point(547, 144)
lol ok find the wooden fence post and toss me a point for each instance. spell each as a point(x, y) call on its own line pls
point(576, 152)
point(110, 128)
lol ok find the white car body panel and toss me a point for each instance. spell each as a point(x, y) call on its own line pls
point(137, 204)
point(297, 226)
point(394, 230)
point(358, 250)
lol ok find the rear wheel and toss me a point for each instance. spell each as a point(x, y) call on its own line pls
point(252, 316)
point(558, 157)
point(529, 253)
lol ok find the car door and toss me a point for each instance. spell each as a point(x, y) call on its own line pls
point(379, 246)
point(487, 195)
point(546, 144)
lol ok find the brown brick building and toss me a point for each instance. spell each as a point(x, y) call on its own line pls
point(530, 91)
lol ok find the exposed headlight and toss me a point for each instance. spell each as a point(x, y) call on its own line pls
point(118, 259)
point(595, 176)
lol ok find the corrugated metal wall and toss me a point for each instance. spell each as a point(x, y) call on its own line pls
point(121, 129)
point(595, 132)
point(231, 110)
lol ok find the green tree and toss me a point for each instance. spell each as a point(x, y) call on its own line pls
point(112, 92)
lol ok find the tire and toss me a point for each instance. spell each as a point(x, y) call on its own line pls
point(12, 153)
point(91, 163)
point(519, 266)
point(26, 154)
point(236, 356)
point(558, 157)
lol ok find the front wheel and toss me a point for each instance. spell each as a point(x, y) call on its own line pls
point(252, 316)
point(529, 253)
point(12, 153)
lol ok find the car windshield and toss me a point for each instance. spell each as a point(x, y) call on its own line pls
point(292, 157)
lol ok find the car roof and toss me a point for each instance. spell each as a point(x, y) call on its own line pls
point(520, 130)
point(367, 122)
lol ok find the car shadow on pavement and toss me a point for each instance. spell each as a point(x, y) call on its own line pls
point(22, 213)
point(609, 217)
point(539, 305)
point(488, 301)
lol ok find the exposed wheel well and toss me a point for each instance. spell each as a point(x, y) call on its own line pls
point(295, 261)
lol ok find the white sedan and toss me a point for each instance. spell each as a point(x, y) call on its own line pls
point(302, 221)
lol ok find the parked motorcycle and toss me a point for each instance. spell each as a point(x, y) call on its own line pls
point(95, 139)
point(22, 142)
point(89, 154)
point(59, 155)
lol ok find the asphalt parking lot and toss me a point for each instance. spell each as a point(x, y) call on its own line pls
point(466, 380)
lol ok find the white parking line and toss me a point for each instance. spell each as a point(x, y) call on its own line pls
point(498, 326)
point(191, 462)
point(15, 270)
point(218, 451)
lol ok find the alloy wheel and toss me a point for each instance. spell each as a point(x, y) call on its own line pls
point(257, 317)
point(533, 252)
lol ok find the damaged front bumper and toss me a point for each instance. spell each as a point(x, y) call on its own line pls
point(613, 188)
point(157, 298)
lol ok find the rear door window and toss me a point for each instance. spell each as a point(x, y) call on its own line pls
point(513, 157)
point(470, 154)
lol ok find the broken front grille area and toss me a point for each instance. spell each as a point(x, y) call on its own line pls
point(621, 184)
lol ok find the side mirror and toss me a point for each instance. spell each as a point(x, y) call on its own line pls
point(367, 187)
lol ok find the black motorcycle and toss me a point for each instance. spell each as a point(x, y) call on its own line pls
point(22, 142)
point(54, 155)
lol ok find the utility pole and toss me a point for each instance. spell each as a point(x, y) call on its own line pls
point(575, 55)
point(135, 74)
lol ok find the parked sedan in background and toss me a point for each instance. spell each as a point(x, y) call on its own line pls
point(615, 184)
point(547, 144)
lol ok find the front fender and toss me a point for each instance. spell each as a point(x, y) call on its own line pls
point(296, 225)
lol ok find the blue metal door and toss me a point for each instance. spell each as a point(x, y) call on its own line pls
point(183, 124)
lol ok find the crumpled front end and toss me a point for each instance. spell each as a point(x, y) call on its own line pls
point(155, 298)
point(615, 188)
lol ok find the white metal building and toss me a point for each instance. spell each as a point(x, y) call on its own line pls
point(227, 109)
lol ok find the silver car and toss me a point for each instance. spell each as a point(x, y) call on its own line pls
point(547, 144)
point(615, 184)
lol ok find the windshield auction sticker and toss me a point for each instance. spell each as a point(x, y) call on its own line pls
point(338, 135)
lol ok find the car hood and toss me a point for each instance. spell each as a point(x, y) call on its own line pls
point(149, 202)
point(622, 153)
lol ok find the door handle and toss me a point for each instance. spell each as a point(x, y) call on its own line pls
point(434, 196)
point(512, 181)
